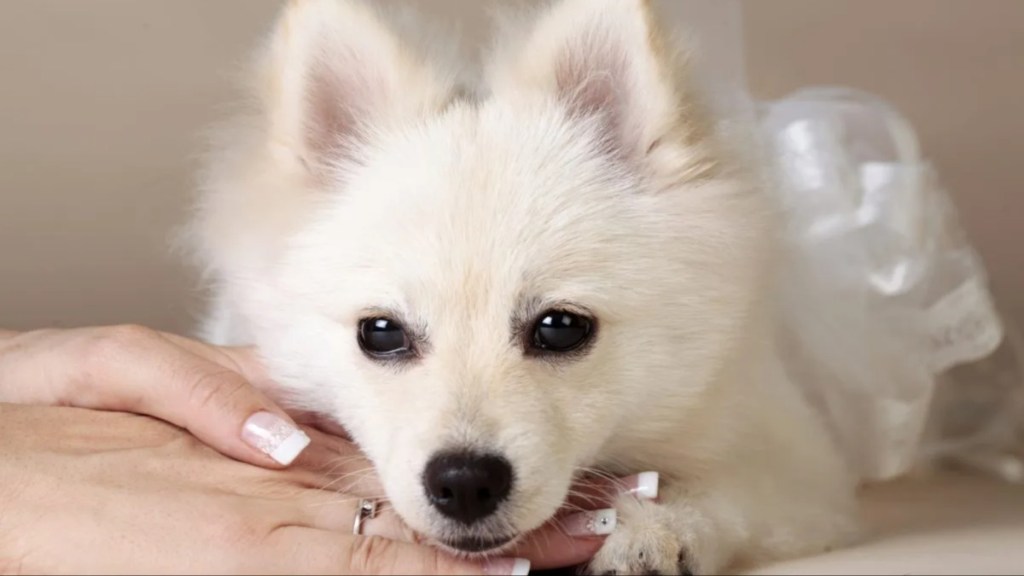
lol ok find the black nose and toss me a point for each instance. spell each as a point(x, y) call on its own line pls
point(467, 487)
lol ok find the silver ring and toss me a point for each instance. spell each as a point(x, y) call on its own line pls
point(367, 509)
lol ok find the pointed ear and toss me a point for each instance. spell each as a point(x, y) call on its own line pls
point(332, 69)
point(606, 58)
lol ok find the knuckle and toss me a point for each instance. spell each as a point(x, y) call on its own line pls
point(105, 349)
point(214, 388)
point(373, 555)
point(111, 343)
point(128, 336)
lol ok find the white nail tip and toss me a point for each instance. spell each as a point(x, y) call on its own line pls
point(290, 448)
point(604, 522)
point(521, 567)
point(275, 437)
point(647, 485)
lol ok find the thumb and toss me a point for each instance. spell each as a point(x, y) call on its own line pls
point(187, 384)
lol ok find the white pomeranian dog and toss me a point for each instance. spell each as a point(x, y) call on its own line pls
point(494, 291)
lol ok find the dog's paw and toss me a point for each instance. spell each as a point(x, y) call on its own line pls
point(648, 539)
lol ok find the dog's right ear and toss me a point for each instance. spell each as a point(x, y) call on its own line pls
point(610, 60)
point(332, 69)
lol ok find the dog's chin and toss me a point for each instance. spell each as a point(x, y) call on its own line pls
point(475, 546)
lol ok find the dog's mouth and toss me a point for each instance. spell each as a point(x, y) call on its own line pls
point(478, 545)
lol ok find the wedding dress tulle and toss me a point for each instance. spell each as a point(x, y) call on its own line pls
point(887, 322)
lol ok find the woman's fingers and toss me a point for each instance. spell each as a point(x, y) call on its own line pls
point(135, 369)
point(567, 540)
point(243, 360)
point(304, 550)
point(338, 513)
point(577, 533)
point(143, 371)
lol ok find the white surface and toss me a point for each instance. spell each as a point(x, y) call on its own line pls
point(951, 524)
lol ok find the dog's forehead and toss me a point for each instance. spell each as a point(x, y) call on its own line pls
point(492, 185)
point(496, 157)
point(478, 212)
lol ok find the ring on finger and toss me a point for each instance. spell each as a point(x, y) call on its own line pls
point(367, 509)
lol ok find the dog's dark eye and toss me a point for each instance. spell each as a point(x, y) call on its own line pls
point(558, 331)
point(383, 337)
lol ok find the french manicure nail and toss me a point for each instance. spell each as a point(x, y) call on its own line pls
point(507, 567)
point(594, 523)
point(643, 485)
point(275, 437)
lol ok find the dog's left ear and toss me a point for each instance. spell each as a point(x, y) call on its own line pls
point(608, 59)
point(333, 69)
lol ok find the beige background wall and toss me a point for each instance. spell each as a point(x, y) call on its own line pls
point(102, 103)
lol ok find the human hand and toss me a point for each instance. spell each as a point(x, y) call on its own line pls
point(101, 492)
point(209, 391)
point(213, 392)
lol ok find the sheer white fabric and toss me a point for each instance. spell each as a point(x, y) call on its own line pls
point(887, 323)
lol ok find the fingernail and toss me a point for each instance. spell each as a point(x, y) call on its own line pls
point(275, 437)
point(507, 567)
point(642, 485)
point(594, 523)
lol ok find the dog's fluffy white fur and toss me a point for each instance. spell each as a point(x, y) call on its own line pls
point(586, 176)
